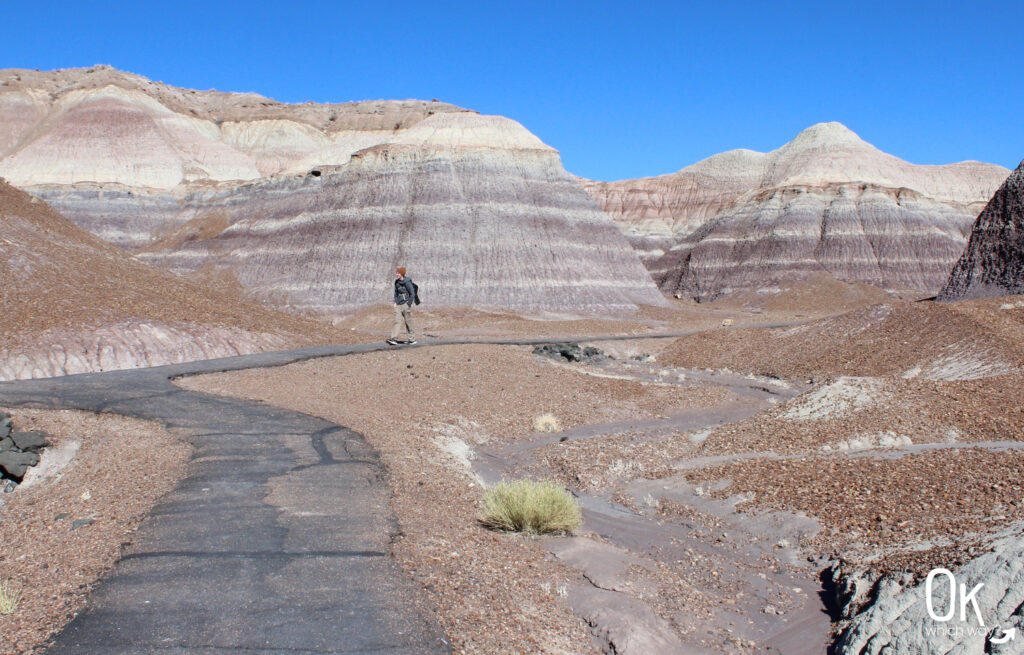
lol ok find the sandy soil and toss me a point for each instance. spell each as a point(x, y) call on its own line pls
point(62, 533)
point(883, 339)
point(425, 410)
point(375, 322)
point(909, 513)
point(829, 417)
point(819, 295)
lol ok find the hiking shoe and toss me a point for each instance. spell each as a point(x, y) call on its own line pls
point(410, 342)
point(391, 342)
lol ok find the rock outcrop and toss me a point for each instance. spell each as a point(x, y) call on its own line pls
point(825, 202)
point(73, 303)
point(993, 262)
point(897, 619)
point(18, 452)
point(310, 207)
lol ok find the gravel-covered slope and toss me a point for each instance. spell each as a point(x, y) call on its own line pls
point(74, 303)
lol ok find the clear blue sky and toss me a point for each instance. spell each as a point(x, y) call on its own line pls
point(622, 89)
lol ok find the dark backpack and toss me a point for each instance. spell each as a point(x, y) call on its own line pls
point(415, 293)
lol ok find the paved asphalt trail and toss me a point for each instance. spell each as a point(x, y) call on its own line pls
point(277, 541)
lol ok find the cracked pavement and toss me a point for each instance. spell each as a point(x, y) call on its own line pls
point(277, 541)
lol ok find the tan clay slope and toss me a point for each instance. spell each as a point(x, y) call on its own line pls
point(827, 201)
point(74, 303)
point(938, 341)
point(102, 125)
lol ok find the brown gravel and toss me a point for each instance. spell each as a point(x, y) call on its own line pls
point(122, 468)
point(924, 411)
point(870, 503)
point(597, 463)
point(464, 321)
point(880, 340)
point(496, 593)
point(818, 295)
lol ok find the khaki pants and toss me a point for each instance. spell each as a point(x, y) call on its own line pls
point(403, 318)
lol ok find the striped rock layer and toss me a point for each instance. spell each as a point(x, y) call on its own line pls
point(993, 262)
point(312, 206)
point(827, 201)
point(474, 227)
point(73, 303)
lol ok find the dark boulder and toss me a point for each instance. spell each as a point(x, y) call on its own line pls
point(5, 424)
point(15, 463)
point(570, 352)
point(33, 440)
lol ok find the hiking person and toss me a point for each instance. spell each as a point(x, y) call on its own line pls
point(405, 296)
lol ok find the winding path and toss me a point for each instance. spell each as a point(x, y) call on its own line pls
point(278, 540)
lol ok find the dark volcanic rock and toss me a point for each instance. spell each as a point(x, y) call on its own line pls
point(16, 463)
point(18, 451)
point(570, 352)
point(993, 262)
point(30, 440)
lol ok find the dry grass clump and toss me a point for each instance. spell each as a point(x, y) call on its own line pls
point(532, 507)
point(546, 423)
point(9, 598)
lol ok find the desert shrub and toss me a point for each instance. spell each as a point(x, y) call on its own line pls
point(532, 507)
point(9, 598)
point(546, 423)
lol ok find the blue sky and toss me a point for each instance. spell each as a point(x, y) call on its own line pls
point(622, 89)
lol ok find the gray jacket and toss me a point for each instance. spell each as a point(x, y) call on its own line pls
point(404, 291)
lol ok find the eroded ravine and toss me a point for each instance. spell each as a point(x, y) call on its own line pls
point(752, 592)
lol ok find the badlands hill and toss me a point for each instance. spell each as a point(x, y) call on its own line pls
point(102, 125)
point(312, 206)
point(993, 263)
point(73, 303)
point(826, 201)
